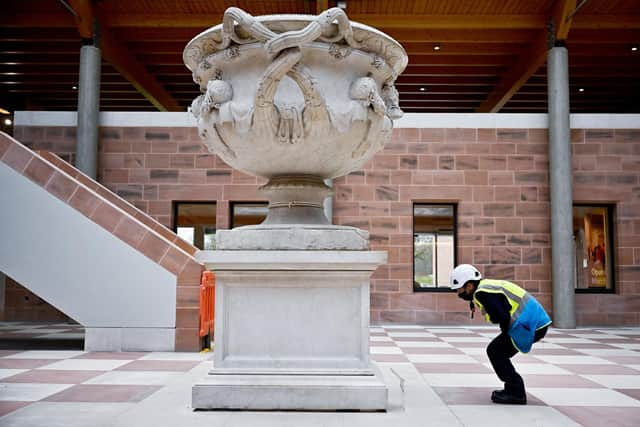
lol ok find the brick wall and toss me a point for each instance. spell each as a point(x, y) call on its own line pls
point(497, 177)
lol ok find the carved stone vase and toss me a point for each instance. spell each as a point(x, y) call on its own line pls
point(296, 100)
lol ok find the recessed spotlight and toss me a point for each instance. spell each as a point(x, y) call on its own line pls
point(436, 47)
point(634, 48)
point(7, 122)
point(422, 89)
point(581, 89)
point(74, 87)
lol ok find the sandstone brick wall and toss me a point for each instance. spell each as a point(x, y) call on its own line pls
point(497, 177)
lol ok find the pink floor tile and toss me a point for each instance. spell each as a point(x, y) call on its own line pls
point(468, 344)
point(589, 345)
point(50, 376)
point(399, 358)
point(103, 393)
point(418, 339)
point(558, 381)
point(599, 416)
point(112, 356)
point(474, 396)
point(599, 369)
point(631, 392)
point(25, 363)
point(611, 340)
point(7, 407)
point(407, 330)
point(4, 353)
point(451, 334)
point(158, 365)
point(458, 368)
point(624, 360)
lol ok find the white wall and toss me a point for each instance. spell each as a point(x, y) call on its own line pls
point(77, 266)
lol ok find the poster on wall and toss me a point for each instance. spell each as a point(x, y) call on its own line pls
point(595, 234)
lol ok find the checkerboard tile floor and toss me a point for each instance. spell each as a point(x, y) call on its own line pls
point(586, 376)
point(41, 335)
point(592, 376)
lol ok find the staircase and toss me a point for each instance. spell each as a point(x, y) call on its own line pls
point(131, 282)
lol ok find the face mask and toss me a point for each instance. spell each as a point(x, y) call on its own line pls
point(465, 296)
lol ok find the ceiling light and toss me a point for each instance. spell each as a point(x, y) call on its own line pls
point(7, 122)
point(74, 87)
point(634, 48)
point(422, 89)
point(3, 111)
point(581, 89)
point(436, 47)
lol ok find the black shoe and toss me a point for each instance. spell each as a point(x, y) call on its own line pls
point(501, 396)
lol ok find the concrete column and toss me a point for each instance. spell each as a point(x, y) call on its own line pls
point(561, 194)
point(88, 110)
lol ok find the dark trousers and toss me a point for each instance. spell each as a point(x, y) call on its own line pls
point(500, 352)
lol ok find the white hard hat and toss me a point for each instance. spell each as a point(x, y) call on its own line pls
point(462, 274)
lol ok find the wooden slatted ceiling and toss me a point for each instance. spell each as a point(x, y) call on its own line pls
point(481, 41)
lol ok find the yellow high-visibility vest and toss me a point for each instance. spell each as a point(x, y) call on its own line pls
point(516, 296)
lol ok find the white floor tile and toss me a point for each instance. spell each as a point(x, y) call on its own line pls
point(27, 392)
point(503, 415)
point(625, 331)
point(536, 369)
point(385, 350)
point(66, 414)
point(548, 345)
point(441, 358)
point(448, 331)
point(473, 350)
point(196, 357)
point(86, 365)
point(582, 397)
point(573, 360)
point(423, 344)
point(45, 354)
point(634, 367)
point(380, 339)
point(135, 378)
point(463, 380)
point(4, 373)
point(607, 352)
point(391, 326)
point(615, 381)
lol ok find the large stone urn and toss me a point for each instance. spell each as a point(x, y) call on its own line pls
point(295, 99)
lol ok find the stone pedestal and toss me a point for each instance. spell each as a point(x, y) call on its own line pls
point(291, 331)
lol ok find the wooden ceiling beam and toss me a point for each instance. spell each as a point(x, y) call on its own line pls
point(122, 59)
point(530, 60)
point(450, 22)
point(37, 20)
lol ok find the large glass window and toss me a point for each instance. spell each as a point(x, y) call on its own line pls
point(434, 243)
point(195, 222)
point(593, 248)
point(248, 213)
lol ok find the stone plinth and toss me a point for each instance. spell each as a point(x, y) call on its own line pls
point(292, 331)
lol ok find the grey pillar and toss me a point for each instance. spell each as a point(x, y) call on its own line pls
point(88, 110)
point(561, 194)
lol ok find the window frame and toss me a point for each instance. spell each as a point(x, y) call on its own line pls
point(454, 205)
point(610, 240)
point(234, 203)
point(174, 212)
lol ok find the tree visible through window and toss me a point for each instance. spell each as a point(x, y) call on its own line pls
point(433, 246)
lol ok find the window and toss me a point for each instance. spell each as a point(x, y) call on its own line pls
point(248, 213)
point(195, 222)
point(434, 243)
point(592, 233)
